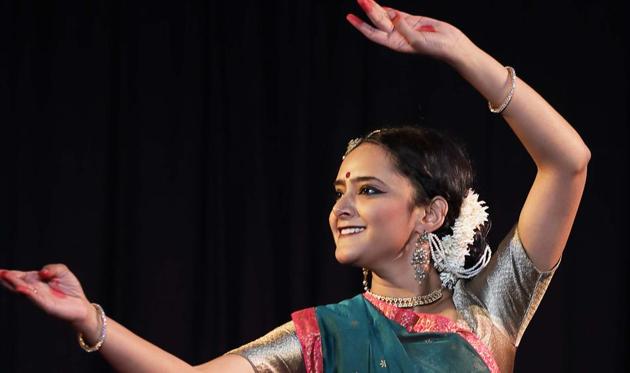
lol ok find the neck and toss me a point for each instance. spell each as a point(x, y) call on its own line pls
point(403, 283)
point(395, 277)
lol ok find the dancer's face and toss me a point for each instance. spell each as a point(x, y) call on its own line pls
point(376, 201)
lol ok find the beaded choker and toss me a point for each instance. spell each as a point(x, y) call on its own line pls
point(409, 302)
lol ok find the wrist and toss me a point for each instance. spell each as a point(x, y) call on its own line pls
point(88, 325)
point(93, 343)
point(464, 55)
point(480, 69)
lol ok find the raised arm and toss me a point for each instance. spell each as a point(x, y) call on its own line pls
point(560, 154)
point(58, 292)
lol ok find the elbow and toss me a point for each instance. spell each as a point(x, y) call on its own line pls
point(577, 160)
point(573, 163)
point(582, 160)
point(578, 164)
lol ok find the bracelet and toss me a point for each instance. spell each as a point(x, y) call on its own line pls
point(102, 333)
point(508, 98)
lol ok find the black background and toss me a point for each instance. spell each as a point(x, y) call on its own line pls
point(179, 158)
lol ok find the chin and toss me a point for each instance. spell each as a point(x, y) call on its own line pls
point(345, 256)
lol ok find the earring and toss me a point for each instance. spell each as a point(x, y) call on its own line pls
point(365, 279)
point(420, 257)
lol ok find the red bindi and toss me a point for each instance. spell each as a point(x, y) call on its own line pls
point(347, 174)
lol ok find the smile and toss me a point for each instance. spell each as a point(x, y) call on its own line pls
point(351, 230)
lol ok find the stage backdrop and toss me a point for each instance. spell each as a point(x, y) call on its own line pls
point(179, 158)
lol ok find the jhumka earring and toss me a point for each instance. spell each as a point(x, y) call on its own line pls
point(420, 257)
point(365, 279)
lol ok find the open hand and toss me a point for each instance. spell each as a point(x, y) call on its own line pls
point(54, 289)
point(407, 33)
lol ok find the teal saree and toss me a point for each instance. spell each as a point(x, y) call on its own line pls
point(363, 335)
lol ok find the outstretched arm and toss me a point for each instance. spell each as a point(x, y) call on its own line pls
point(560, 154)
point(57, 291)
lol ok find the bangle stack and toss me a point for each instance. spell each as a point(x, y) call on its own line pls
point(508, 98)
point(102, 334)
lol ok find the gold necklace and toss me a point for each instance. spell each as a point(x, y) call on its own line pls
point(409, 302)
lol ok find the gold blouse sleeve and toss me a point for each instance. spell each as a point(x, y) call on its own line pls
point(278, 351)
point(499, 302)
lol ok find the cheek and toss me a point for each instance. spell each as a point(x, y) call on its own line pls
point(391, 225)
point(332, 221)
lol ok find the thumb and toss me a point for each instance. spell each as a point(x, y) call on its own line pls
point(401, 25)
point(51, 271)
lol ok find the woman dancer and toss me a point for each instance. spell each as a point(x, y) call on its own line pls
point(436, 300)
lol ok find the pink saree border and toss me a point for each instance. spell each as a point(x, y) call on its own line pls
point(307, 331)
point(425, 322)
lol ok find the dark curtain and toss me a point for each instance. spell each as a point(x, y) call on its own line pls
point(179, 158)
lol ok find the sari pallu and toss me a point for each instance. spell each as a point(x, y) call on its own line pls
point(363, 334)
point(494, 309)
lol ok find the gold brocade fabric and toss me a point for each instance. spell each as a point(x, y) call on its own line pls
point(497, 305)
point(278, 351)
point(499, 302)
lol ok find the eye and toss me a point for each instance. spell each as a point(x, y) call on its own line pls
point(338, 194)
point(369, 190)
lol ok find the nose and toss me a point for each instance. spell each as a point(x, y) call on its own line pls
point(344, 208)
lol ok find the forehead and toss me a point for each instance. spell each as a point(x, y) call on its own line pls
point(369, 160)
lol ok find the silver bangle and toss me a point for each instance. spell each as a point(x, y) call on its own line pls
point(508, 98)
point(102, 333)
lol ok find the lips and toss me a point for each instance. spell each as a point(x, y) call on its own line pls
point(350, 230)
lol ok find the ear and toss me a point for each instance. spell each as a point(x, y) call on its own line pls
point(434, 215)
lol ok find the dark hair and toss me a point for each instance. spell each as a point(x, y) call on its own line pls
point(436, 165)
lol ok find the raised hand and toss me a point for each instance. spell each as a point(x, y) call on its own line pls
point(407, 33)
point(54, 289)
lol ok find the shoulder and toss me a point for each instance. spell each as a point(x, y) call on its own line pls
point(310, 323)
point(278, 351)
point(309, 320)
point(345, 308)
point(507, 291)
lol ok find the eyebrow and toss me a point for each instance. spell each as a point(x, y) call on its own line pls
point(340, 182)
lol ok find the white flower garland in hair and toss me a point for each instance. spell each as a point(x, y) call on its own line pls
point(449, 253)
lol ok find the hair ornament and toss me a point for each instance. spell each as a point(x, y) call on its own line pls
point(352, 144)
point(449, 253)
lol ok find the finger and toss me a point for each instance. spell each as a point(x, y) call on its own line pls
point(11, 276)
point(6, 285)
point(369, 31)
point(4, 282)
point(16, 283)
point(417, 23)
point(424, 24)
point(390, 40)
point(54, 288)
point(404, 29)
point(50, 271)
point(376, 14)
point(32, 278)
point(388, 10)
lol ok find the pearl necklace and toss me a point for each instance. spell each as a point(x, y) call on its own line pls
point(409, 302)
